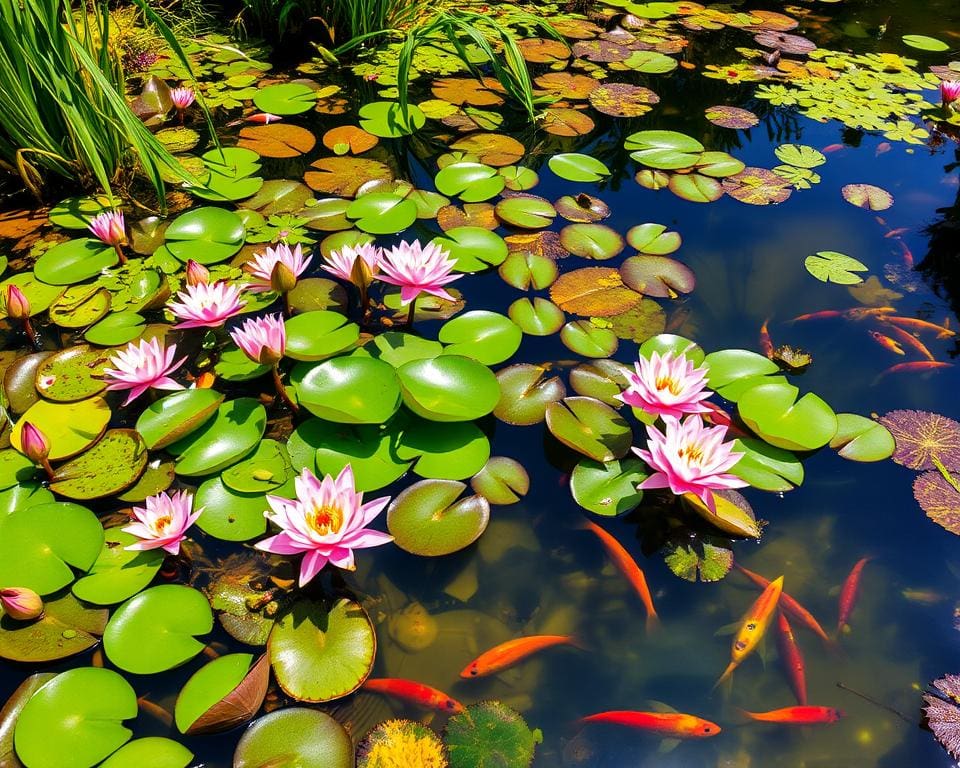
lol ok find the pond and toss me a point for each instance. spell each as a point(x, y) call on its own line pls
point(768, 193)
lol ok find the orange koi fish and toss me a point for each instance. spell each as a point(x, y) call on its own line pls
point(791, 657)
point(629, 568)
point(512, 652)
point(849, 592)
point(910, 340)
point(821, 315)
point(672, 725)
point(766, 344)
point(260, 118)
point(415, 693)
point(754, 626)
point(887, 343)
point(861, 313)
point(913, 367)
point(897, 232)
point(791, 606)
point(915, 324)
point(833, 148)
point(804, 715)
point(907, 255)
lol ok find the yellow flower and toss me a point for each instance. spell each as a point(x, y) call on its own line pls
point(403, 744)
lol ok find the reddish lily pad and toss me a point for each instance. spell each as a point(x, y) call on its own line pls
point(867, 196)
point(658, 276)
point(939, 499)
point(732, 117)
point(757, 186)
point(623, 99)
point(921, 436)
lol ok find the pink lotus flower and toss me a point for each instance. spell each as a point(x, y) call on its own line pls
point(34, 443)
point(418, 270)
point(142, 367)
point(163, 523)
point(667, 386)
point(182, 97)
point(18, 305)
point(197, 273)
point(690, 458)
point(278, 268)
point(206, 305)
point(342, 263)
point(325, 522)
point(263, 340)
point(108, 227)
point(21, 603)
point(949, 91)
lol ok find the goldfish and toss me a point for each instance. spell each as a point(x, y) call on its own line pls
point(907, 255)
point(791, 606)
point(672, 725)
point(791, 657)
point(206, 380)
point(753, 627)
point(887, 343)
point(861, 313)
point(260, 118)
point(822, 315)
point(803, 715)
point(833, 148)
point(914, 367)
point(512, 652)
point(897, 232)
point(882, 148)
point(849, 592)
point(922, 596)
point(910, 340)
point(915, 324)
point(766, 344)
point(629, 568)
point(416, 693)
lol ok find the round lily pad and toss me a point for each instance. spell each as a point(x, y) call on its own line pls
point(382, 213)
point(78, 212)
point(267, 469)
point(430, 519)
point(156, 478)
point(387, 120)
point(601, 379)
point(229, 436)
point(537, 317)
point(472, 182)
point(80, 306)
point(206, 235)
point(15, 468)
point(473, 248)
point(447, 451)
point(653, 239)
point(67, 627)
point(156, 630)
point(526, 391)
point(608, 488)
point(116, 329)
point(318, 335)
point(75, 720)
point(397, 348)
point(774, 412)
point(320, 652)
point(231, 515)
point(487, 337)
point(861, 439)
point(72, 374)
point(449, 388)
point(526, 212)
point(867, 196)
point(367, 448)
point(658, 276)
point(925, 43)
point(528, 270)
point(833, 267)
point(118, 573)
point(587, 339)
point(663, 150)
point(112, 465)
point(150, 752)
point(222, 694)
point(404, 741)
point(574, 166)
point(589, 427)
point(285, 99)
point(74, 261)
point(354, 390)
point(501, 481)
point(310, 738)
point(591, 241)
point(490, 734)
point(767, 467)
point(732, 513)
point(593, 292)
point(175, 416)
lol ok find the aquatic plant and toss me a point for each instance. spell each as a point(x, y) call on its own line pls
point(666, 386)
point(163, 522)
point(277, 268)
point(206, 305)
point(141, 366)
point(21, 604)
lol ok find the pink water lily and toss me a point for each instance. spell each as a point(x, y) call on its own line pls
point(667, 386)
point(949, 91)
point(143, 366)
point(108, 227)
point(21, 604)
point(325, 523)
point(689, 457)
point(18, 305)
point(263, 340)
point(163, 522)
point(418, 270)
point(206, 305)
point(342, 262)
point(197, 273)
point(278, 268)
point(182, 97)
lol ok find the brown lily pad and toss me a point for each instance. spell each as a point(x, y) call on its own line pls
point(562, 121)
point(867, 196)
point(623, 99)
point(277, 140)
point(921, 435)
point(539, 50)
point(343, 176)
point(593, 292)
point(349, 138)
point(939, 499)
point(493, 149)
point(943, 713)
point(732, 117)
point(757, 186)
point(468, 91)
point(566, 85)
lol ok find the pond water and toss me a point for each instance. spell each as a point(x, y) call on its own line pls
point(536, 571)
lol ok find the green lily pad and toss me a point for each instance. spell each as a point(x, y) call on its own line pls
point(80, 306)
point(156, 630)
point(526, 212)
point(487, 337)
point(731, 372)
point(118, 573)
point(663, 150)
point(397, 348)
point(608, 488)
point(321, 653)
point(473, 248)
point(705, 558)
point(67, 627)
point(40, 295)
point(732, 513)
point(591, 241)
point(449, 388)
point(222, 694)
point(78, 212)
point(382, 213)
point(574, 166)
point(352, 390)
point(490, 735)
point(111, 466)
point(74, 261)
point(589, 427)
point(653, 239)
point(296, 736)
point(668, 342)
point(175, 416)
point(447, 451)
point(387, 120)
point(601, 379)
point(40, 545)
point(72, 374)
point(800, 155)
point(10, 712)
point(861, 439)
point(267, 469)
point(430, 519)
point(695, 187)
point(589, 340)
point(526, 392)
point(767, 467)
point(925, 43)
point(75, 720)
point(537, 317)
point(232, 434)
point(150, 752)
point(285, 99)
point(502, 481)
point(231, 515)
point(472, 182)
point(116, 329)
point(206, 234)
point(15, 468)
point(833, 267)
point(659, 276)
point(26, 495)
point(234, 365)
point(775, 414)
point(368, 449)
point(528, 270)
point(318, 335)
point(156, 478)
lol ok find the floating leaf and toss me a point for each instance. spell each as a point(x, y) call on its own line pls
point(175, 416)
point(349, 138)
point(526, 393)
point(757, 186)
point(67, 627)
point(943, 713)
point(538, 317)
point(351, 390)
point(653, 239)
point(430, 519)
point(118, 573)
point(732, 117)
point(594, 292)
point(83, 478)
point(489, 735)
point(591, 241)
point(623, 99)
point(527, 270)
point(474, 249)
point(285, 99)
point(232, 515)
point(587, 339)
point(493, 149)
point(387, 120)
point(767, 467)
point(921, 436)
point(692, 187)
point(603, 380)
point(925, 43)
point(833, 267)
point(450, 451)
point(382, 213)
point(608, 488)
point(74, 261)
point(150, 752)
point(222, 694)
point(867, 196)
point(277, 140)
point(449, 388)
point(343, 176)
point(303, 737)
point(10, 712)
point(707, 558)
point(574, 166)
point(72, 374)
point(800, 155)
point(472, 182)
point(582, 208)
point(501, 481)
point(402, 742)
point(232, 434)
point(774, 412)
point(939, 498)
point(658, 276)
point(589, 427)
point(664, 150)
point(561, 121)
point(861, 439)
point(526, 212)
point(732, 513)
point(207, 235)
point(487, 337)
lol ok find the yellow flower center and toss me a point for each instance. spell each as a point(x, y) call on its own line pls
point(668, 382)
point(162, 523)
point(325, 520)
point(692, 453)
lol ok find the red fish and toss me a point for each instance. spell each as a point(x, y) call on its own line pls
point(897, 232)
point(416, 693)
point(907, 255)
point(833, 148)
point(629, 568)
point(915, 324)
point(861, 313)
point(805, 715)
point(822, 315)
point(260, 118)
point(512, 652)
point(791, 657)
point(914, 367)
point(766, 344)
point(672, 725)
point(849, 592)
point(789, 605)
point(882, 148)
point(887, 343)
point(910, 340)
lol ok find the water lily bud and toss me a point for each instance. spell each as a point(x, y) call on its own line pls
point(34, 443)
point(282, 278)
point(949, 91)
point(18, 305)
point(21, 603)
point(197, 274)
point(361, 275)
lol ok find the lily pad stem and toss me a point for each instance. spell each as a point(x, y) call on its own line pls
point(282, 391)
point(45, 463)
point(411, 312)
point(120, 254)
point(946, 473)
